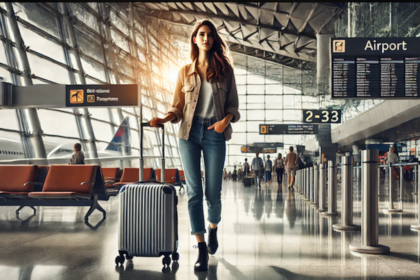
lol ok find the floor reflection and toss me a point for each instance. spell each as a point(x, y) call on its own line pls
point(291, 212)
point(267, 233)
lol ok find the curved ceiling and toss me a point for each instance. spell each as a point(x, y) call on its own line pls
point(283, 32)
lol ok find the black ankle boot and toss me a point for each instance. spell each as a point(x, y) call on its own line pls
point(203, 257)
point(212, 241)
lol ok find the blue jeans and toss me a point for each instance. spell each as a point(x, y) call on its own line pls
point(267, 176)
point(213, 145)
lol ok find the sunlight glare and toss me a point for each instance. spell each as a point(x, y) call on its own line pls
point(173, 75)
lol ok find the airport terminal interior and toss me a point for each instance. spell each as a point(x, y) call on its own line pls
point(328, 95)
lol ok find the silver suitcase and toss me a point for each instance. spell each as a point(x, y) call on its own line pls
point(148, 220)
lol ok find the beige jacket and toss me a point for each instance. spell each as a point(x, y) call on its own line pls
point(225, 97)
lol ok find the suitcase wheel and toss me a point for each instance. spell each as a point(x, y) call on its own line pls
point(166, 260)
point(119, 260)
point(175, 256)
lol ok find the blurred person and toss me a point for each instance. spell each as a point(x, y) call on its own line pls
point(257, 166)
point(240, 174)
point(268, 169)
point(206, 100)
point(279, 168)
point(78, 157)
point(246, 167)
point(291, 162)
point(391, 156)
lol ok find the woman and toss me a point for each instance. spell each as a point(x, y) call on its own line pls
point(268, 167)
point(279, 165)
point(206, 100)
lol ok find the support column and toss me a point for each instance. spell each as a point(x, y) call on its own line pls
point(417, 227)
point(308, 183)
point(322, 187)
point(316, 187)
point(332, 189)
point(323, 66)
point(416, 180)
point(29, 121)
point(391, 184)
point(346, 195)
point(311, 186)
point(369, 243)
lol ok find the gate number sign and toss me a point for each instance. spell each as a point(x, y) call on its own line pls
point(322, 116)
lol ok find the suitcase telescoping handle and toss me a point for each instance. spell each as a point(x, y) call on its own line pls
point(162, 175)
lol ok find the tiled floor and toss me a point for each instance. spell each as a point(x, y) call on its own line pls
point(265, 234)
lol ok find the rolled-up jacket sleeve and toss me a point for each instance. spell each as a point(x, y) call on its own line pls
point(232, 102)
point(178, 101)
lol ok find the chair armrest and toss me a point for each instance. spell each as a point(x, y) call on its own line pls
point(112, 178)
point(110, 181)
point(85, 183)
point(34, 183)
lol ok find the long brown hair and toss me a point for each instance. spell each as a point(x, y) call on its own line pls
point(219, 62)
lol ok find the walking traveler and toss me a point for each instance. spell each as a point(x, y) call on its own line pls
point(268, 169)
point(291, 162)
point(246, 167)
point(206, 100)
point(279, 168)
point(257, 165)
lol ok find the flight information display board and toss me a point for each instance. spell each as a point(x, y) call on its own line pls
point(268, 145)
point(277, 129)
point(366, 68)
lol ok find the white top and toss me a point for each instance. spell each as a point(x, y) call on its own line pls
point(392, 158)
point(279, 163)
point(205, 104)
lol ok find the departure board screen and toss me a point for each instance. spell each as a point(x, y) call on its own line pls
point(368, 68)
point(255, 149)
point(277, 129)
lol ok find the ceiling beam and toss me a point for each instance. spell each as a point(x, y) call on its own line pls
point(247, 51)
point(336, 12)
point(307, 18)
point(309, 36)
point(188, 25)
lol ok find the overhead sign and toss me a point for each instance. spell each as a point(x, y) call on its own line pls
point(368, 68)
point(268, 145)
point(277, 129)
point(322, 116)
point(254, 149)
point(101, 95)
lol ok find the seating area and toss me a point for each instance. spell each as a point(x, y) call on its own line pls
point(70, 185)
point(57, 185)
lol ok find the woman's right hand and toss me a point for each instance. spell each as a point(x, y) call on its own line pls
point(155, 121)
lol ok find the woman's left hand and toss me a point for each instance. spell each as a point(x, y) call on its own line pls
point(219, 127)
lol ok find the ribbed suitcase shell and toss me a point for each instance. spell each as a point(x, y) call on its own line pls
point(147, 220)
